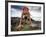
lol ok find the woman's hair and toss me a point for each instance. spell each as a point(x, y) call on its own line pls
point(25, 8)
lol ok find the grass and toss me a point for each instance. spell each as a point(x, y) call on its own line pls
point(27, 28)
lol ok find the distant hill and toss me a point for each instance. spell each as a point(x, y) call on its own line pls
point(17, 19)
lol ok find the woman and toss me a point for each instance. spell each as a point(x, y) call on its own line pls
point(25, 19)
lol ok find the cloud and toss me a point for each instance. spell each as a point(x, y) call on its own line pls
point(16, 12)
point(35, 15)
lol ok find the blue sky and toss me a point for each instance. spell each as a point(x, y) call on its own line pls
point(16, 7)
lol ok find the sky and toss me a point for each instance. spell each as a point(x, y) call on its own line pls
point(35, 11)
